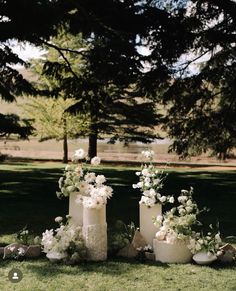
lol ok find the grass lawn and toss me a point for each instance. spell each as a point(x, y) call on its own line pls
point(27, 195)
point(117, 275)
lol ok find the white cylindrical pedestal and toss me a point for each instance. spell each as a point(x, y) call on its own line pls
point(93, 216)
point(75, 210)
point(95, 233)
point(171, 252)
point(95, 237)
point(146, 215)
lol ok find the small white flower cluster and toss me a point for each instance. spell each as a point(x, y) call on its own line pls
point(92, 192)
point(150, 182)
point(66, 241)
point(209, 243)
point(177, 223)
point(98, 192)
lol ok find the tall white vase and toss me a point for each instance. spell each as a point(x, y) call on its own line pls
point(75, 210)
point(95, 233)
point(146, 215)
point(176, 252)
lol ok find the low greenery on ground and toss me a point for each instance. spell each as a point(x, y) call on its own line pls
point(27, 193)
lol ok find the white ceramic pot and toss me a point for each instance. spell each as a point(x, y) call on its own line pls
point(166, 252)
point(202, 258)
point(146, 215)
point(55, 257)
point(94, 216)
point(75, 210)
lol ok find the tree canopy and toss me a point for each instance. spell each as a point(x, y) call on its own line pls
point(198, 30)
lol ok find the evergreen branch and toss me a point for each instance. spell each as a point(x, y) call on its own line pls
point(60, 51)
point(79, 52)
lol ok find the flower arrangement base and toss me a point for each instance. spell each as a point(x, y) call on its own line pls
point(27, 251)
point(146, 215)
point(33, 251)
point(55, 257)
point(95, 233)
point(75, 210)
point(203, 258)
point(95, 237)
point(166, 252)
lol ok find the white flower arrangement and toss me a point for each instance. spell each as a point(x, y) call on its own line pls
point(91, 188)
point(150, 183)
point(64, 242)
point(177, 223)
point(209, 243)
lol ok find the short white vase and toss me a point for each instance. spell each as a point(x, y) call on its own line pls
point(146, 215)
point(55, 257)
point(75, 210)
point(167, 252)
point(203, 258)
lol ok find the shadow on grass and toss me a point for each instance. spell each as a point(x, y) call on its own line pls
point(27, 194)
point(112, 267)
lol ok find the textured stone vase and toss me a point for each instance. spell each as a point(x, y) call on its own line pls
point(95, 233)
point(166, 252)
point(75, 210)
point(146, 215)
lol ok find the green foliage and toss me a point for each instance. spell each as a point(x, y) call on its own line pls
point(11, 124)
point(119, 235)
point(50, 119)
point(201, 106)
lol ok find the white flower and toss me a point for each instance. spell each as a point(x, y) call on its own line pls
point(90, 177)
point(162, 199)
point(84, 188)
point(171, 199)
point(189, 209)
point(95, 161)
point(160, 235)
point(58, 219)
point(152, 193)
point(148, 201)
point(79, 154)
point(182, 199)
point(139, 184)
point(100, 179)
point(145, 172)
point(21, 251)
point(148, 154)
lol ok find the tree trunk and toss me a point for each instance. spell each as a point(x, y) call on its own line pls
point(93, 131)
point(92, 148)
point(65, 149)
point(65, 142)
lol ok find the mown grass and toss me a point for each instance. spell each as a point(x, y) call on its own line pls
point(27, 195)
point(117, 275)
